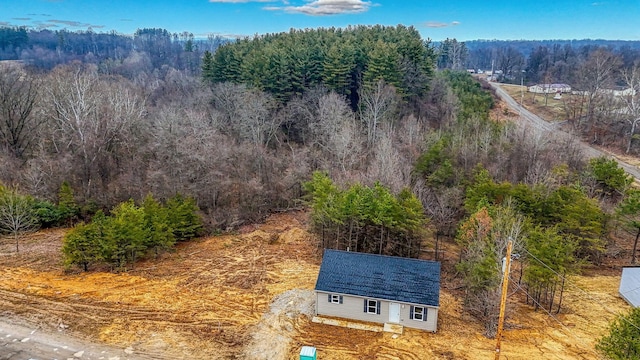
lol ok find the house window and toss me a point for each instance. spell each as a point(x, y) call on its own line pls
point(418, 313)
point(371, 306)
point(335, 299)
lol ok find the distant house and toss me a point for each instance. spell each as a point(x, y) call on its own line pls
point(380, 289)
point(618, 91)
point(549, 88)
point(630, 285)
point(615, 92)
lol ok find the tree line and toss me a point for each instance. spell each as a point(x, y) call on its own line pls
point(365, 219)
point(343, 60)
point(130, 232)
point(149, 49)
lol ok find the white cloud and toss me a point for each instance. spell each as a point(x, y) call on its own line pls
point(438, 24)
point(325, 7)
point(71, 23)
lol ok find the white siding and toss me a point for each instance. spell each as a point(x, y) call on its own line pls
point(630, 285)
point(352, 307)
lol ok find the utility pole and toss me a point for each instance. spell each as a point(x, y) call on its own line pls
point(503, 299)
point(492, 62)
point(521, 93)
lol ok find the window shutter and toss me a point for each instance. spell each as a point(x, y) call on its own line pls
point(365, 305)
point(411, 312)
point(378, 307)
point(424, 314)
point(329, 296)
point(340, 299)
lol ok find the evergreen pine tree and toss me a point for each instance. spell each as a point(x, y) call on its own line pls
point(183, 217)
point(622, 342)
point(81, 246)
point(156, 218)
point(67, 206)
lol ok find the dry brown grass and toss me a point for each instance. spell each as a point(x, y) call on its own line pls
point(206, 299)
point(552, 111)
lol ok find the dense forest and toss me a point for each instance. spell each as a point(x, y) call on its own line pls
point(373, 129)
point(342, 60)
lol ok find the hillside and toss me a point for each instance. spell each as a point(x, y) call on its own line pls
point(247, 296)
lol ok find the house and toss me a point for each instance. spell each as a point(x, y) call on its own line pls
point(615, 92)
point(378, 288)
point(549, 88)
point(618, 91)
point(630, 285)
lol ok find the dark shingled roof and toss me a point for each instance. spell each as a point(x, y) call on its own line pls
point(381, 277)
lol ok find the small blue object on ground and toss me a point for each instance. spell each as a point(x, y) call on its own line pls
point(308, 353)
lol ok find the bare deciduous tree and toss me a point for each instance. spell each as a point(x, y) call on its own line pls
point(510, 60)
point(377, 106)
point(246, 114)
point(336, 131)
point(443, 207)
point(595, 74)
point(18, 93)
point(632, 100)
point(93, 119)
point(441, 103)
point(255, 120)
point(17, 215)
point(387, 164)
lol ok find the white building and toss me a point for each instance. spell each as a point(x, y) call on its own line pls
point(630, 285)
point(549, 88)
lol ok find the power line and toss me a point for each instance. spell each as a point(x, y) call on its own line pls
point(589, 297)
point(585, 346)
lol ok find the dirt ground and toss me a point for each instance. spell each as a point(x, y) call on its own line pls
point(248, 296)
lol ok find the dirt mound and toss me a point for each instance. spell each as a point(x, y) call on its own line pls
point(272, 336)
point(294, 235)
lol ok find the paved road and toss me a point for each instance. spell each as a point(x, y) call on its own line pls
point(538, 123)
point(19, 341)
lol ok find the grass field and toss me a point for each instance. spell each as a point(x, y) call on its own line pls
point(549, 109)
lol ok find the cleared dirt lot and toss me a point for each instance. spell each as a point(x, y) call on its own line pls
point(246, 296)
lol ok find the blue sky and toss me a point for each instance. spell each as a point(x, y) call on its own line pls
point(435, 19)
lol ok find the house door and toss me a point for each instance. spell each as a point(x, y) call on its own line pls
point(394, 312)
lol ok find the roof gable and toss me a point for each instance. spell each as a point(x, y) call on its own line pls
point(382, 277)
